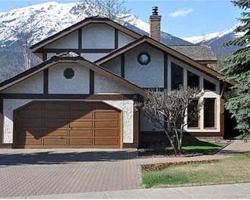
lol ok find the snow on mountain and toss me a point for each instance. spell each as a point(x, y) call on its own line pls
point(49, 18)
point(216, 41)
point(206, 37)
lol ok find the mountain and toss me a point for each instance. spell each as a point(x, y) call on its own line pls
point(216, 40)
point(22, 27)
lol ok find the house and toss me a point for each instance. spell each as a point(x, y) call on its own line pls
point(87, 90)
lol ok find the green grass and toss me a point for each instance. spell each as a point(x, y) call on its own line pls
point(195, 146)
point(229, 170)
point(191, 146)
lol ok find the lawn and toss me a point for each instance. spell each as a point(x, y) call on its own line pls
point(194, 146)
point(191, 146)
point(229, 170)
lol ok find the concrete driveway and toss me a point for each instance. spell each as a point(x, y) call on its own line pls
point(42, 172)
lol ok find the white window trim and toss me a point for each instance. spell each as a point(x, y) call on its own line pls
point(206, 94)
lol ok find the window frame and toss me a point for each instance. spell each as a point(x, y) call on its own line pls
point(214, 113)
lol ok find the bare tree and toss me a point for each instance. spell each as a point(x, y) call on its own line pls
point(168, 112)
point(113, 9)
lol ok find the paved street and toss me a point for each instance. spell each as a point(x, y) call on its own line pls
point(230, 191)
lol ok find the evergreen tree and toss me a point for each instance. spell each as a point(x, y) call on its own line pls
point(237, 68)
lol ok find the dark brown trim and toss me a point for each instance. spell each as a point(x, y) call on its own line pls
point(136, 126)
point(68, 59)
point(46, 81)
point(116, 38)
point(75, 50)
point(1, 121)
point(91, 82)
point(165, 71)
point(166, 49)
point(79, 38)
point(81, 24)
point(123, 66)
point(154, 88)
point(44, 56)
point(70, 96)
point(222, 116)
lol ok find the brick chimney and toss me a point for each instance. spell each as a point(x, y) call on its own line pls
point(155, 24)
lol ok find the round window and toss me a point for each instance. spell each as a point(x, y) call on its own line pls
point(69, 73)
point(143, 58)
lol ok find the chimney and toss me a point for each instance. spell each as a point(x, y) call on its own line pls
point(155, 24)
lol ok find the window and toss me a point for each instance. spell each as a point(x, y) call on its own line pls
point(209, 113)
point(68, 73)
point(193, 114)
point(143, 58)
point(208, 85)
point(193, 80)
point(176, 76)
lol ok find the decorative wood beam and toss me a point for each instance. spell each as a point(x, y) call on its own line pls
point(46, 81)
point(79, 39)
point(1, 121)
point(75, 50)
point(116, 38)
point(165, 73)
point(69, 96)
point(91, 82)
point(122, 65)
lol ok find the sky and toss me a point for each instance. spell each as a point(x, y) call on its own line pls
point(181, 18)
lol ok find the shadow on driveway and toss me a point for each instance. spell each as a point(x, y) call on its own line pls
point(57, 157)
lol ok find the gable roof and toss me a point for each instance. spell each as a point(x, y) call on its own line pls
point(196, 52)
point(85, 22)
point(163, 48)
point(67, 58)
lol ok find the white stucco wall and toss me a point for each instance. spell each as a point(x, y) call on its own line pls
point(106, 86)
point(32, 85)
point(124, 39)
point(92, 57)
point(58, 84)
point(127, 107)
point(9, 105)
point(114, 66)
point(98, 36)
point(150, 75)
point(67, 42)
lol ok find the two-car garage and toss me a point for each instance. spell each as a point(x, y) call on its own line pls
point(67, 124)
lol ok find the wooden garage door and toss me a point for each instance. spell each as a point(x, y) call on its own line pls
point(67, 124)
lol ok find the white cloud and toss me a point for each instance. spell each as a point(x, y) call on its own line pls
point(181, 12)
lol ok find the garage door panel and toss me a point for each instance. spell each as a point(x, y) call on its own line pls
point(55, 141)
point(84, 106)
point(107, 141)
point(107, 124)
point(29, 123)
point(57, 106)
point(67, 124)
point(56, 114)
point(83, 124)
point(106, 115)
point(81, 141)
point(81, 132)
point(57, 132)
point(107, 132)
point(33, 141)
point(30, 114)
point(56, 123)
point(81, 116)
